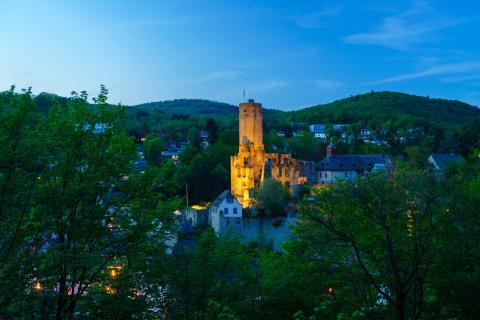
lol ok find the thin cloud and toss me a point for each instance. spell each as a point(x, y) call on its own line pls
point(316, 19)
point(415, 25)
point(461, 78)
point(221, 75)
point(267, 85)
point(451, 68)
point(327, 84)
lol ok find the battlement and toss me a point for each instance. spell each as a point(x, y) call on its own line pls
point(250, 125)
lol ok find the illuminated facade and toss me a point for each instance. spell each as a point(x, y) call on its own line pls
point(251, 165)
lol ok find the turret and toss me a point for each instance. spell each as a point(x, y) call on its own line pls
point(250, 125)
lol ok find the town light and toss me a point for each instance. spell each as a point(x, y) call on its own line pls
point(110, 290)
point(113, 273)
point(37, 286)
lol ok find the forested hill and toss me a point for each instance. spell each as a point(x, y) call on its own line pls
point(397, 108)
point(374, 110)
point(191, 107)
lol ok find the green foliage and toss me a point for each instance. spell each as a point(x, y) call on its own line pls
point(71, 207)
point(153, 149)
point(384, 241)
point(390, 110)
point(272, 197)
point(404, 245)
point(191, 107)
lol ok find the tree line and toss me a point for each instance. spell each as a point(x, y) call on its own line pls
point(84, 236)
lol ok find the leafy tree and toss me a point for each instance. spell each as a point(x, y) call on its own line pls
point(384, 241)
point(272, 196)
point(212, 130)
point(193, 137)
point(153, 149)
point(80, 212)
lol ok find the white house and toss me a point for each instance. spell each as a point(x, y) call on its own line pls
point(366, 134)
point(319, 131)
point(348, 167)
point(225, 211)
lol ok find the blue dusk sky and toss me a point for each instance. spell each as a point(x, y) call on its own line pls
point(285, 54)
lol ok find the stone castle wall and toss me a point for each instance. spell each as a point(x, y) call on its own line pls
point(251, 165)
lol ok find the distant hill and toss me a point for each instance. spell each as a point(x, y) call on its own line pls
point(192, 107)
point(375, 110)
point(400, 109)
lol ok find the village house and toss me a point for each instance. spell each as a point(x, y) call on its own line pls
point(348, 167)
point(339, 127)
point(224, 212)
point(366, 134)
point(204, 139)
point(196, 215)
point(440, 162)
point(319, 131)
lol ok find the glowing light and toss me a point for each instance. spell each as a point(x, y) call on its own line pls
point(37, 286)
point(330, 290)
point(110, 290)
point(200, 207)
point(114, 271)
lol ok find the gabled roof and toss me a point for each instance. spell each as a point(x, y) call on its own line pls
point(352, 162)
point(224, 195)
point(442, 160)
point(317, 128)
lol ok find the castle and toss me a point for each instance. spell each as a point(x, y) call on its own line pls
point(252, 165)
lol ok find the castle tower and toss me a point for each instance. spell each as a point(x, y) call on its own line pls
point(251, 165)
point(250, 125)
point(246, 167)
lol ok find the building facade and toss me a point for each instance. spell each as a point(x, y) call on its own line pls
point(251, 165)
point(225, 211)
point(349, 167)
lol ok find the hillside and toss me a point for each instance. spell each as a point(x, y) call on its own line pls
point(399, 109)
point(192, 107)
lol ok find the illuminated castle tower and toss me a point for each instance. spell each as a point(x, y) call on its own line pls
point(246, 167)
point(251, 165)
point(250, 125)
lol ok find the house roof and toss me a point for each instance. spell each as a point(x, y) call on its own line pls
point(442, 161)
point(169, 154)
point(224, 195)
point(352, 162)
point(317, 128)
point(186, 228)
